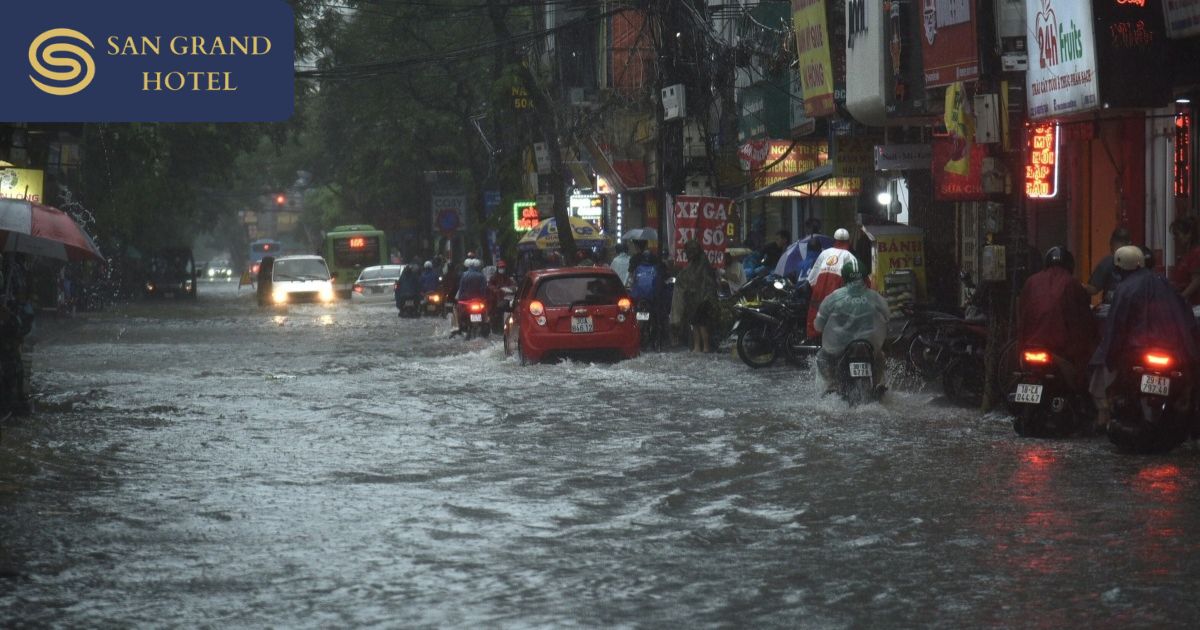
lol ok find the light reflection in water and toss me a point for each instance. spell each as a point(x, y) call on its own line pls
point(1157, 490)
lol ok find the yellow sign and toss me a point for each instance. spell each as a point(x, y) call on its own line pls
point(21, 183)
point(786, 160)
point(812, 44)
point(896, 248)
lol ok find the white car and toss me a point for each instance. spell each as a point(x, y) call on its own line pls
point(376, 284)
point(296, 279)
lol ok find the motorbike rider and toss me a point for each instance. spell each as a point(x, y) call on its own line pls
point(429, 278)
point(498, 282)
point(851, 313)
point(1055, 314)
point(472, 286)
point(407, 286)
point(1147, 313)
point(1104, 277)
point(647, 284)
point(825, 277)
point(620, 262)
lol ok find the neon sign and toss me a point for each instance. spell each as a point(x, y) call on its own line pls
point(1183, 154)
point(1041, 165)
point(525, 216)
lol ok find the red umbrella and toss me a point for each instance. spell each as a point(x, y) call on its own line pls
point(38, 230)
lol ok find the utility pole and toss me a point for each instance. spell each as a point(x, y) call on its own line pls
point(547, 121)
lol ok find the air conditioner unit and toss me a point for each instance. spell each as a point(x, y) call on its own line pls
point(674, 102)
point(694, 144)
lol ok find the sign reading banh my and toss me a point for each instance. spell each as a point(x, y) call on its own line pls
point(147, 61)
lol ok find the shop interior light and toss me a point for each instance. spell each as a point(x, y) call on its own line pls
point(884, 198)
point(1183, 101)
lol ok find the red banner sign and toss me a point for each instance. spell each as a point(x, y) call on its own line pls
point(948, 186)
point(1041, 161)
point(701, 219)
point(949, 46)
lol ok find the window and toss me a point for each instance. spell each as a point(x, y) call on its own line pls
point(573, 290)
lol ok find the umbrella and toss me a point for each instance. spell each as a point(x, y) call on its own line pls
point(641, 234)
point(31, 228)
point(544, 236)
point(799, 257)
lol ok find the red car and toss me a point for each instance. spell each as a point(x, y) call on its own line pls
point(573, 310)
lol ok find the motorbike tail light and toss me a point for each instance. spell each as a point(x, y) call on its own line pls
point(624, 304)
point(536, 309)
point(1036, 357)
point(1158, 360)
point(475, 307)
point(435, 298)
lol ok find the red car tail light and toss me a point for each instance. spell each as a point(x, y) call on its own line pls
point(624, 304)
point(536, 309)
point(1158, 360)
point(475, 307)
point(1036, 357)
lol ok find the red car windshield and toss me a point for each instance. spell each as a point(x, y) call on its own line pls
point(575, 290)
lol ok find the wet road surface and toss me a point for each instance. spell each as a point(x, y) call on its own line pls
point(209, 464)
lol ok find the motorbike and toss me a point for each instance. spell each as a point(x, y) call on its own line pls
point(1153, 407)
point(476, 322)
point(649, 325)
point(948, 346)
point(1045, 401)
point(774, 327)
point(856, 378)
point(433, 304)
point(503, 305)
point(409, 305)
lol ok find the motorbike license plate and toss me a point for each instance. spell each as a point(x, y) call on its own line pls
point(860, 370)
point(410, 302)
point(1029, 394)
point(643, 316)
point(581, 325)
point(476, 318)
point(1157, 385)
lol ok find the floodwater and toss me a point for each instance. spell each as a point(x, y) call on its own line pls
point(208, 463)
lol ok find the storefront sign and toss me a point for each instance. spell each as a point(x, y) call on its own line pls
point(853, 156)
point(897, 248)
point(21, 183)
point(812, 44)
point(585, 206)
point(1183, 18)
point(951, 186)
point(802, 123)
point(949, 44)
point(1062, 76)
point(783, 163)
point(1041, 161)
point(702, 219)
point(902, 157)
point(525, 216)
point(1131, 49)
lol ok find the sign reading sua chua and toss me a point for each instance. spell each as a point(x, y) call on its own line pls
point(148, 61)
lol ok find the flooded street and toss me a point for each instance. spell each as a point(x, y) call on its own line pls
point(207, 463)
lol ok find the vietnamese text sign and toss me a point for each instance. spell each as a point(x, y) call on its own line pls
point(703, 220)
point(902, 157)
point(1183, 17)
point(812, 44)
point(853, 157)
point(1131, 48)
point(21, 183)
point(949, 42)
point(1041, 161)
point(785, 160)
point(949, 185)
point(148, 61)
point(1062, 58)
point(525, 216)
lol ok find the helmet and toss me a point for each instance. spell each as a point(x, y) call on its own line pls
point(474, 263)
point(470, 254)
point(1129, 257)
point(851, 271)
point(429, 264)
point(1059, 256)
point(842, 234)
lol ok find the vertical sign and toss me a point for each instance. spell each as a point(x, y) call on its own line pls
point(1062, 58)
point(812, 46)
point(701, 219)
point(1183, 154)
point(1183, 18)
point(1041, 161)
point(949, 41)
point(866, 77)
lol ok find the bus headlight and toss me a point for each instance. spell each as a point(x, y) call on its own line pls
point(280, 297)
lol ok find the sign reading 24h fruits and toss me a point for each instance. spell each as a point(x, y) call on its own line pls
point(1062, 58)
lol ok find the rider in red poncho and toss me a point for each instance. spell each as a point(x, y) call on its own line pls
point(1055, 314)
point(826, 275)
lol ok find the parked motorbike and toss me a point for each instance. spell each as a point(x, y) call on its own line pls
point(1045, 401)
point(774, 327)
point(948, 346)
point(475, 321)
point(1153, 407)
point(856, 378)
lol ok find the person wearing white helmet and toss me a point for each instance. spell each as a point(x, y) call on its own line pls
point(825, 277)
point(1146, 314)
point(429, 278)
point(471, 286)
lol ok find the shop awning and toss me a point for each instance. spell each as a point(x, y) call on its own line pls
point(820, 173)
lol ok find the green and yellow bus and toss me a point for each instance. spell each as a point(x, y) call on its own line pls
point(351, 248)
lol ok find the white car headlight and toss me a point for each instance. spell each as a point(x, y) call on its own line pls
point(327, 294)
point(280, 297)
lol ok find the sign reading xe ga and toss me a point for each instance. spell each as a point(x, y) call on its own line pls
point(147, 61)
